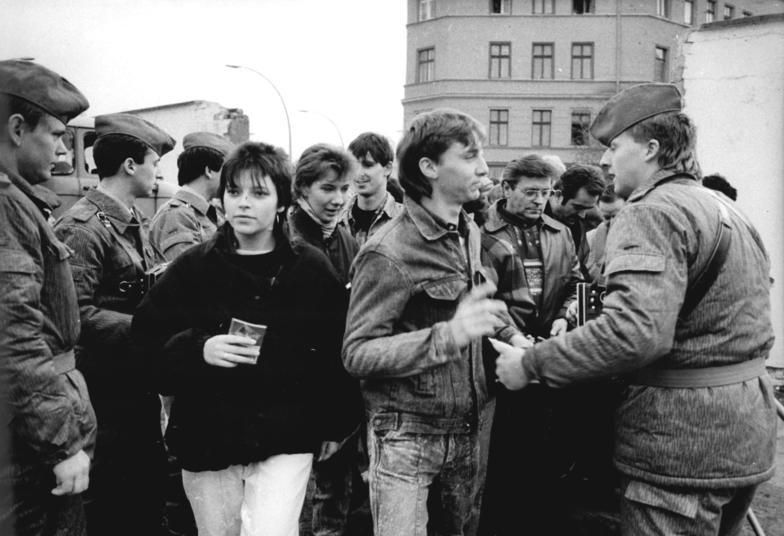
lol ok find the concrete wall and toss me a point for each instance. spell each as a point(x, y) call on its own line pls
point(733, 77)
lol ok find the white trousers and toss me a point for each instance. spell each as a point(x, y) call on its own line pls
point(259, 499)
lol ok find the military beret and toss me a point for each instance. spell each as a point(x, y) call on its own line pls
point(633, 105)
point(136, 127)
point(209, 140)
point(43, 88)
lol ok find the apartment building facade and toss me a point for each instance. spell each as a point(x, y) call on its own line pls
point(536, 72)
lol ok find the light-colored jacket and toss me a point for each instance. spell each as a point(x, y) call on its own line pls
point(707, 437)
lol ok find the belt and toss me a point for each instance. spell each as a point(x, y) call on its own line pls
point(64, 362)
point(700, 377)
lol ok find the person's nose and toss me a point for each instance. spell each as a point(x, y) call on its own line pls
point(605, 162)
point(60, 149)
point(482, 169)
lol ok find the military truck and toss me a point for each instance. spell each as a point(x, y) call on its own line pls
point(75, 174)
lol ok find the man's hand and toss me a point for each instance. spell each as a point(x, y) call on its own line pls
point(521, 341)
point(477, 315)
point(571, 313)
point(72, 474)
point(228, 351)
point(509, 365)
point(559, 327)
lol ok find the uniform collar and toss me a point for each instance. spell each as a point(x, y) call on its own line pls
point(27, 189)
point(190, 196)
point(657, 179)
point(111, 206)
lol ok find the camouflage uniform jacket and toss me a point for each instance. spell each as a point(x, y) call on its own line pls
point(184, 221)
point(50, 416)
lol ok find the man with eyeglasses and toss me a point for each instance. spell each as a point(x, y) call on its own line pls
point(575, 194)
point(523, 426)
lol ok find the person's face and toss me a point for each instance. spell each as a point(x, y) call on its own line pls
point(372, 176)
point(528, 197)
point(251, 206)
point(460, 172)
point(576, 206)
point(40, 148)
point(145, 174)
point(327, 196)
point(627, 162)
point(609, 210)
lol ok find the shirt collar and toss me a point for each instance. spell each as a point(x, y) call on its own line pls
point(188, 195)
point(655, 180)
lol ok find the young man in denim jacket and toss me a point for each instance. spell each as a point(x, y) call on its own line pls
point(695, 432)
point(419, 309)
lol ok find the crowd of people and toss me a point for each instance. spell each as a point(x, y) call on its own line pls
point(410, 342)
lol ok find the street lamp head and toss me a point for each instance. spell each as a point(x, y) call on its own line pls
point(232, 66)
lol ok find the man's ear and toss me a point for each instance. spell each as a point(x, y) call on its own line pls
point(129, 166)
point(652, 149)
point(388, 169)
point(15, 129)
point(428, 168)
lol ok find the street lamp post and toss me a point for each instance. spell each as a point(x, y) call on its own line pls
point(340, 136)
point(282, 102)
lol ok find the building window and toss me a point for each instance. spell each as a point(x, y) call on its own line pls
point(747, 13)
point(663, 8)
point(688, 12)
point(582, 6)
point(710, 11)
point(426, 65)
point(500, 7)
point(500, 60)
point(542, 64)
point(426, 9)
point(660, 73)
point(544, 7)
point(582, 61)
point(729, 12)
point(542, 121)
point(581, 121)
point(499, 127)
point(496, 172)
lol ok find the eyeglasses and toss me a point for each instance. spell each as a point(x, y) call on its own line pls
point(532, 193)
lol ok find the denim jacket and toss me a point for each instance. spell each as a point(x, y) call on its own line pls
point(51, 417)
point(709, 437)
point(408, 280)
point(561, 267)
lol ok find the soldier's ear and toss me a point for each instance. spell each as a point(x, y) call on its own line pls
point(128, 166)
point(652, 149)
point(15, 128)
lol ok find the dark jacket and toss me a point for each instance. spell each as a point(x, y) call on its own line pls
point(561, 267)
point(340, 247)
point(708, 437)
point(50, 417)
point(292, 399)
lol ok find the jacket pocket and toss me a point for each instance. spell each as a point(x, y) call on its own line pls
point(636, 262)
point(684, 504)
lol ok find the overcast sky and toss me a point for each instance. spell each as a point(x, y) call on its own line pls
point(343, 59)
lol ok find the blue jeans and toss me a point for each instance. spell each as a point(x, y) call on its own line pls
point(427, 480)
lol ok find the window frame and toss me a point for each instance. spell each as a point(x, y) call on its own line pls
point(501, 123)
point(728, 9)
point(661, 67)
point(591, 7)
point(710, 10)
point(585, 128)
point(543, 3)
point(534, 58)
point(499, 58)
point(507, 3)
point(430, 62)
point(663, 8)
point(689, 11)
point(541, 124)
point(582, 58)
point(431, 10)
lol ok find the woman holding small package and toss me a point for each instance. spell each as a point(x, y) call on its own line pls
point(248, 415)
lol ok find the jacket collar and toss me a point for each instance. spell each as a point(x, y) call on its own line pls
point(657, 179)
point(495, 222)
point(186, 195)
point(117, 212)
point(428, 225)
point(37, 197)
point(388, 207)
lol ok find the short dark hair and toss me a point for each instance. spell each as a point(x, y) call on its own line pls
point(579, 176)
point(260, 160)
point(111, 150)
point(677, 137)
point(430, 135)
point(533, 166)
point(609, 195)
point(192, 161)
point(316, 160)
point(375, 144)
point(11, 104)
point(720, 184)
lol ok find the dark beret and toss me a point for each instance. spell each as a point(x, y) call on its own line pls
point(136, 127)
point(633, 105)
point(209, 140)
point(42, 87)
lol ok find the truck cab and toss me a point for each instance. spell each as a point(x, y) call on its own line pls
point(75, 174)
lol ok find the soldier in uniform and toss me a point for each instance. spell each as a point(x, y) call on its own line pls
point(111, 253)
point(189, 218)
point(45, 449)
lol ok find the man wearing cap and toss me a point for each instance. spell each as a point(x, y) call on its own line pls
point(111, 253)
point(47, 424)
point(189, 218)
point(686, 320)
